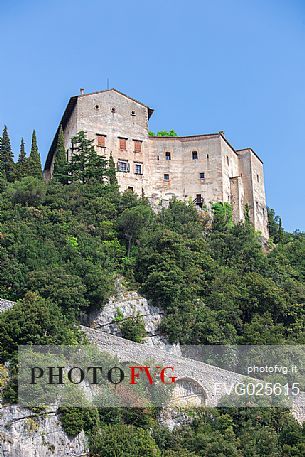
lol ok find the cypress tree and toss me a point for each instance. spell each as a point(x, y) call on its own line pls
point(111, 172)
point(60, 172)
point(34, 162)
point(2, 177)
point(7, 166)
point(21, 166)
point(22, 155)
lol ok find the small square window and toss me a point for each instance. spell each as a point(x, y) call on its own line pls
point(167, 156)
point(130, 188)
point(166, 177)
point(194, 155)
point(202, 175)
point(138, 169)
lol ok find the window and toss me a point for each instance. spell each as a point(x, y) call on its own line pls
point(199, 200)
point(123, 143)
point(257, 177)
point(202, 175)
point(123, 166)
point(97, 107)
point(130, 188)
point(166, 177)
point(113, 110)
point(100, 140)
point(167, 156)
point(138, 169)
point(228, 161)
point(194, 155)
point(137, 145)
point(133, 113)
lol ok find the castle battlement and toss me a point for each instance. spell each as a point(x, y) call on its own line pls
point(204, 168)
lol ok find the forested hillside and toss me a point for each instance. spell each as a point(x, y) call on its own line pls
point(63, 243)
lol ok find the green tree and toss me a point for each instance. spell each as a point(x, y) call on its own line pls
point(262, 330)
point(275, 226)
point(112, 172)
point(222, 215)
point(183, 218)
point(60, 171)
point(22, 163)
point(133, 222)
point(123, 441)
point(34, 161)
point(74, 420)
point(7, 166)
point(29, 191)
point(86, 165)
point(33, 320)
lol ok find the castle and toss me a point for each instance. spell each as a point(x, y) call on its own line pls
point(204, 168)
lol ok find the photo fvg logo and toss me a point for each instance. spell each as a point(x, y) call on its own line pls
point(93, 375)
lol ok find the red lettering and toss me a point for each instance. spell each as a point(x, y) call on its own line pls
point(162, 375)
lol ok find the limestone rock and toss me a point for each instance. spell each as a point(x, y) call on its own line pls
point(26, 434)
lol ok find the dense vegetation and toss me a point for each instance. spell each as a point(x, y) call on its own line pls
point(63, 243)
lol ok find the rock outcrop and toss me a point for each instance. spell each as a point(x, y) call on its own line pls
point(124, 305)
point(26, 434)
point(5, 304)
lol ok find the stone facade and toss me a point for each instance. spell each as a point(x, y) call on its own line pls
point(200, 168)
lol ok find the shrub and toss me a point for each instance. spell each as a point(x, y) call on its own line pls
point(74, 420)
point(133, 328)
point(123, 441)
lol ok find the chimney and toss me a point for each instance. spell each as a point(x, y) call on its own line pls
point(82, 91)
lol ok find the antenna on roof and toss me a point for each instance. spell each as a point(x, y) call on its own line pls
point(107, 83)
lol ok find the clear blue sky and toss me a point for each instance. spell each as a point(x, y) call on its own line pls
point(204, 66)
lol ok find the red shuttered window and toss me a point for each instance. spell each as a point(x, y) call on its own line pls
point(123, 144)
point(137, 145)
point(100, 140)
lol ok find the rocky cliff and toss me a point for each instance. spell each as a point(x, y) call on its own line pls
point(26, 434)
